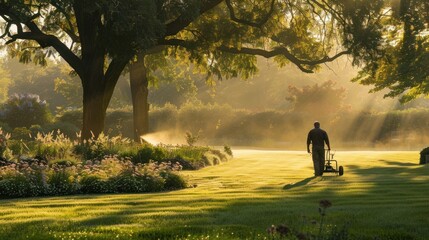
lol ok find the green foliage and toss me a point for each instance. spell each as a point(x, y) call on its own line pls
point(15, 186)
point(21, 133)
point(99, 147)
point(52, 146)
point(326, 97)
point(174, 181)
point(119, 122)
point(191, 138)
point(227, 150)
point(110, 175)
point(401, 68)
point(163, 117)
point(62, 180)
point(72, 116)
point(94, 184)
point(148, 152)
point(423, 155)
point(25, 110)
point(68, 129)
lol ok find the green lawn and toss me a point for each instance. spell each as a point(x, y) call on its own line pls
point(382, 195)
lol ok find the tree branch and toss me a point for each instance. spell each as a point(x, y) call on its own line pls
point(278, 51)
point(183, 21)
point(45, 40)
point(247, 22)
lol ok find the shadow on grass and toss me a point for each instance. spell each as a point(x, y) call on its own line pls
point(399, 164)
point(298, 184)
point(376, 210)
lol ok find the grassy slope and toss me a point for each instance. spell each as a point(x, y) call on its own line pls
point(382, 194)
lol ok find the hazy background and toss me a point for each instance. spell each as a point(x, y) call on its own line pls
point(275, 108)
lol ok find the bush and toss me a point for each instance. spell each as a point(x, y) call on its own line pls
point(61, 181)
point(16, 186)
point(21, 133)
point(119, 122)
point(174, 181)
point(24, 110)
point(73, 116)
point(423, 155)
point(21, 181)
point(127, 182)
point(99, 148)
point(40, 177)
point(94, 184)
point(149, 152)
point(52, 146)
point(66, 128)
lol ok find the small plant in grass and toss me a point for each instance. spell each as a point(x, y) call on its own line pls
point(101, 146)
point(283, 231)
point(4, 137)
point(323, 205)
point(191, 138)
point(227, 150)
point(52, 146)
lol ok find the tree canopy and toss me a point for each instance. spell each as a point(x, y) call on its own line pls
point(401, 66)
point(220, 37)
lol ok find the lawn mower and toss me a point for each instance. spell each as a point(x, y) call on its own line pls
point(329, 168)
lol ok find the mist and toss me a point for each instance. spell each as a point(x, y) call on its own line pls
point(273, 109)
point(277, 107)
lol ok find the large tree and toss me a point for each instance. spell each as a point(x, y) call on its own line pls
point(220, 37)
point(225, 41)
point(96, 38)
point(402, 65)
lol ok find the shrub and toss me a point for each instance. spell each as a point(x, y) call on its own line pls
point(227, 150)
point(4, 137)
point(61, 181)
point(127, 182)
point(72, 116)
point(165, 117)
point(174, 181)
point(21, 133)
point(119, 122)
point(66, 128)
point(15, 186)
point(35, 177)
point(21, 181)
point(149, 152)
point(24, 110)
point(100, 147)
point(53, 146)
point(423, 155)
point(94, 184)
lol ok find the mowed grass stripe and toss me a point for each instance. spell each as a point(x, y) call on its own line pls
point(382, 194)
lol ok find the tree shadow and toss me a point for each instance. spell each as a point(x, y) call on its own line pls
point(299, 184)
point(399, 164)
point(157, 218)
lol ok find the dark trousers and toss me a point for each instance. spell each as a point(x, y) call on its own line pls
point(318, 156)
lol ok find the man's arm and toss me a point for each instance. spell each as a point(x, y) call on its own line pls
point(327, 141)
point(308, 142)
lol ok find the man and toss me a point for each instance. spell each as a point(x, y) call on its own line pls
point(318, 137)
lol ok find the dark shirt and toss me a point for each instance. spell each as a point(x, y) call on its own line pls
point(317, 137)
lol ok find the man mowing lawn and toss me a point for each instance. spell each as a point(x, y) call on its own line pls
point(317, 137)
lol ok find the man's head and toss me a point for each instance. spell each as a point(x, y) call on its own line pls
point(316, 124)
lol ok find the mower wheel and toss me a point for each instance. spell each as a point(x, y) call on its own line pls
point(341, 171)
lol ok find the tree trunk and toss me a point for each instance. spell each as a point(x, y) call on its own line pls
point(139, 94)
point(94, 113)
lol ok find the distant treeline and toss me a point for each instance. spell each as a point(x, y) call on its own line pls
point(221, 124)
point(215, 124)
